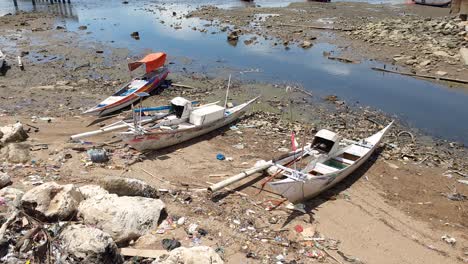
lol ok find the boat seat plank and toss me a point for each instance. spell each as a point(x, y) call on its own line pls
point(343, 160)
point(357, 150)
point(324, 169)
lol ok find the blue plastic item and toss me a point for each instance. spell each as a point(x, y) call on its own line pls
point(220, 156)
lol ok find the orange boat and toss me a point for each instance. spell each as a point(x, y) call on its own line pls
point(155, 74)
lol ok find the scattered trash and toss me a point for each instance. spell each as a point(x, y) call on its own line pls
point(181, 221)
point(192, 228)
point(98, 155)
point(449, 240)
point(170, 244)
point(463, 181)
point(299, 228)
point(202, 232)
point(297, 207)
point(239, 146)
point(456, 197)
point(220, 156)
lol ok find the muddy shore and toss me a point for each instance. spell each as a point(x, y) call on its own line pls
point(394, 210)
point(419, 39)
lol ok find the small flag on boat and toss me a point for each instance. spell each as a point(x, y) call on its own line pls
point(293, 141)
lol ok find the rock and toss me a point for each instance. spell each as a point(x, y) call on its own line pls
point(425, 63)
point(233, 36)
point(441, 73)
point(59, 27)
point(89, 191)
point(13, 133)
point(89, 245)
point(194, 255)
point(124, 218)
point(83, 81)
point(306, 44)
point(128, 187)
point(135, 35)
point(441, 53)
point(464, 55)
point(65, 82)
point(5, 180)
point(82, 27)
point(125, 2)
point(51, 201)
point(411, 62)
point(11, 196)
point(16, 152)
point(331, 98)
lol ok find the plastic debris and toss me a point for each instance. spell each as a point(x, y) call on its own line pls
point(98, 155)
point(202, 232)
point(181, 221)
point(449, 240)
point(192, 228)
point(299, 228)
point(170, 244)
point(220, 156)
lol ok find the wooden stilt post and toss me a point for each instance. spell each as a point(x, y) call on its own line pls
point(15, 3)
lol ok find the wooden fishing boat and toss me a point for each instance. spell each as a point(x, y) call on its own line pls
point(155, 74)
point(184, 124)
point(433, 2)
point(332, 160)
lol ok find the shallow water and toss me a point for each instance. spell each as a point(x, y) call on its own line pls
point(433, 108)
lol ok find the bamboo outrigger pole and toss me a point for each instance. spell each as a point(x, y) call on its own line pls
point(218, 186)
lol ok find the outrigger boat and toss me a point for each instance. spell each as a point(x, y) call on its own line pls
point(155, 74)
point(185, 122)
point(330, 160)
point(439, 3)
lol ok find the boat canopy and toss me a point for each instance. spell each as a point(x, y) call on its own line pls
point(325, 140)
point(152, 62)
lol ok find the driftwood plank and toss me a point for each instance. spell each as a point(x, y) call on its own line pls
point(421, 75)
point(144, 253)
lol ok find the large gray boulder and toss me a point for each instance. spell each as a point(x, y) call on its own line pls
point(13, 133)
point(128, 187)
point(194, 255)
point(89, 191)
point(89, 245)
point(124, 218)
point(51, 201)
point(16, 153)
point(5, 180)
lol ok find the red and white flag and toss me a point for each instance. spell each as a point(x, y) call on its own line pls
point(293, 141)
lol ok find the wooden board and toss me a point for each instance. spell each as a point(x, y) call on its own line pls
point(144, 253)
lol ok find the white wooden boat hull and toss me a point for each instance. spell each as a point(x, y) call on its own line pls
point(100, 112)
point(296, 191)
point(433, 2)
point(159, 140)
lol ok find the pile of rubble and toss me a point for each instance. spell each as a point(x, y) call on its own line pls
point(434, 40)
point(71, 224)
